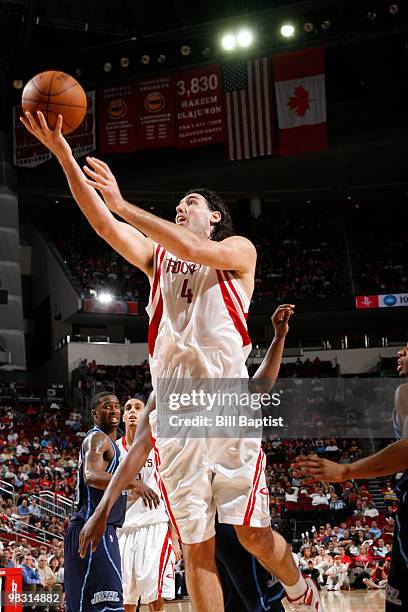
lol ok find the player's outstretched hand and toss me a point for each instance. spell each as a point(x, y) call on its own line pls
point(91, 533)
point(52, 139)
point(313, 469)
point(149, 497)
point(102, 179)
point(280, 319)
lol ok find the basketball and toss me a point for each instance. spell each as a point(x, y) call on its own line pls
point(56, 93)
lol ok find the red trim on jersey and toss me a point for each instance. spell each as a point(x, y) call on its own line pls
point(162, 565)
point(235, 292)
point(233, 312)
point(251, 501)
point(124, 443)
point(165, 496)
point(155, 320)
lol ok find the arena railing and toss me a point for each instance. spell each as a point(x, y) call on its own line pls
point(54, 504)
point(20, 528)
point(7, 487)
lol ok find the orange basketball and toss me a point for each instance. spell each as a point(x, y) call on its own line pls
point(56, 93)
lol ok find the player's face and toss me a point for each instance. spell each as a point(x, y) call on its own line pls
point(193, 212)
point(107, 412)
point(402, 356)
point(133, 410)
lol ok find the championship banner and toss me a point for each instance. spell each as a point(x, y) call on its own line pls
point(155, 113)
point(301, 101)
point(199, 110)
point(83, 140)
point(113, 307)
point(28, 152)
point(386, 300)
point(117, 119)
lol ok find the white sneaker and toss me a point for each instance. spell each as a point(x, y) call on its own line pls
point(337, 587)
point(310, 598)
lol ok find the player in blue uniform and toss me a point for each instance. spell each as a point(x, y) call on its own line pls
point(94, 582)
point(390, 460)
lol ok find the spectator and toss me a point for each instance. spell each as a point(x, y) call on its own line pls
point(374, 530)
point(378, 577)
point(319, 499)
point(34, 509)
point(23, 511)
point(381, 549)
point(336, 575)
point(371, 511)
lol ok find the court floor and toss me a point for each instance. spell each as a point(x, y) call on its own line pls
point(354, 601)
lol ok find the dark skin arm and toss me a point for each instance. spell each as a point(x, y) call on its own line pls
point(98, 453)
point(95, 527)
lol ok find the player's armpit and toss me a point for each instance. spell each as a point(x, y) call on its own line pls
point(233, 253)
point(131, 244)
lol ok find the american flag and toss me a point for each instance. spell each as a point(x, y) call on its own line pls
point(248, 102)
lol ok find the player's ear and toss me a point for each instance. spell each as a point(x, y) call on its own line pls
point(215, 216)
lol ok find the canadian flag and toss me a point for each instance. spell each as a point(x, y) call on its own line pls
point(301, 101)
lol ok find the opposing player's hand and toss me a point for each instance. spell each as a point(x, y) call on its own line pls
point(280, 319)
point(91, 533)
point(313, 469)
point(102, 179)
point(149, 497)
point(52, 139)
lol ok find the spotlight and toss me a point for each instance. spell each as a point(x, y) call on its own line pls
point(105, 298)
point(145, 59)
point(394, 9)
point(124, 62)
point(228, 42)
point(244, 38)
point(371, 15)
point(287, 30)
point(185, 50)
point(308, 27)
point(107, 67)
point(326, 25)
point(18, 84)
point(162, 58)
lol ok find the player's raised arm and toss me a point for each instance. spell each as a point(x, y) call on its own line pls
point(267, 373)
point(127, 241)
point(233, 253)
point(95, 527)
point(390, 460)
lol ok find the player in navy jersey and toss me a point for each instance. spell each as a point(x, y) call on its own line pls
point(94, 582)
point(390, 460)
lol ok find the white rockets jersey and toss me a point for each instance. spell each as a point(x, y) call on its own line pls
point(139, 515)
point(197, 325)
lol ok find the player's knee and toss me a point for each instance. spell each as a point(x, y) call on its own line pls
point(258, 541)
point(199, 555)
point(156, 606)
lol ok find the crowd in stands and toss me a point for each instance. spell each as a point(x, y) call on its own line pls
point(300, 251)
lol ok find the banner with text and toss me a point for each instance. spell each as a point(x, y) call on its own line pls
point(117, 118)
point(388, 300)
point(155, 113)
point(199, 111)
point(28, 152)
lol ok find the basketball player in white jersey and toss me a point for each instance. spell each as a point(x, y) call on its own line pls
point(202, 279)
point(149, 546)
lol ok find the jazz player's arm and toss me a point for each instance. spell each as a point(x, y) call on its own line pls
point(401, 407)
point(95, 527)
point(267, 373)
point(129, 242)
point(234, 253)
point(390, 460)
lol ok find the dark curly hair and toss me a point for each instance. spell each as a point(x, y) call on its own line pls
point(225, 227)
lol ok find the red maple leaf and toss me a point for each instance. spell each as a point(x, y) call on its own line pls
point(300, 102)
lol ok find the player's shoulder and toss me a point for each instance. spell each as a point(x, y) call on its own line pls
point(401, 393)
point(94, 439)
point(239, 241)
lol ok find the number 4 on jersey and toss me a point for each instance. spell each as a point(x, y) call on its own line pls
point(186, 291)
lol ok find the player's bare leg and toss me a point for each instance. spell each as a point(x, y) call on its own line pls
point(157, 606)
point(130, 608)
point(273, 552)
point(203, 583)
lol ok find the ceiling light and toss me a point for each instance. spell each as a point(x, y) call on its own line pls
point(107, 67)
point(124, 62)
point(244, 38)
point(308, 27)
point(185, 50)
point(228, 42)
point(287, 30)
point(145, 59)
point(162, 58)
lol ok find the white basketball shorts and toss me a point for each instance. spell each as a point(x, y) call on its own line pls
point(203, 475)
point(147, 563)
